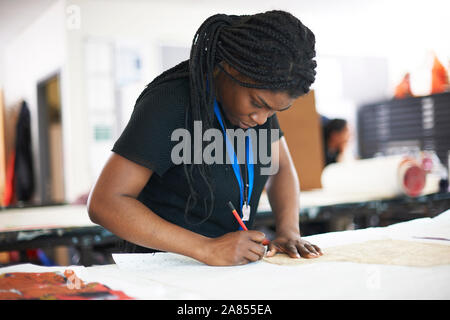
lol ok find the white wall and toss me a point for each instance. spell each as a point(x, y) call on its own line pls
point(400, 30)
point(15, 16)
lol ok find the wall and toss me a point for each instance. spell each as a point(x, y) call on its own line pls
point(34, 55)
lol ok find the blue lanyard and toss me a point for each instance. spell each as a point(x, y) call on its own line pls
point(234, 162)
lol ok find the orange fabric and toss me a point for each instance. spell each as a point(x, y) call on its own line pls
point(403, 89)
point(54, 286)
point(9, 187)
point(439, 77)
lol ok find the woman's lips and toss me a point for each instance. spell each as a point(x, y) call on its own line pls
point(244, 125)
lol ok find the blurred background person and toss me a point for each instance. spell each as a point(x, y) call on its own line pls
point(336, 137)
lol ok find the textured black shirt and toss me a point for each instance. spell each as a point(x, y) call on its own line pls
point(146, 140)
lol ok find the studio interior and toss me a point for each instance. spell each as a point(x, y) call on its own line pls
point(370, 143)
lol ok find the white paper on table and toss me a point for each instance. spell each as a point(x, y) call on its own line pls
point(261, 280)
point(153, 261)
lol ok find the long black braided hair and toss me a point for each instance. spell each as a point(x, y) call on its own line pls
point(274, 49)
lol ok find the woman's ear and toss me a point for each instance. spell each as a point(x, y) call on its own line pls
point(236, 74)
point(229, 69)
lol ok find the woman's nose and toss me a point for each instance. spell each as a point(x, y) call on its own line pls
point(261, 117)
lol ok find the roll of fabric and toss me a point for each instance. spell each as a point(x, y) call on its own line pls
point(384, 176)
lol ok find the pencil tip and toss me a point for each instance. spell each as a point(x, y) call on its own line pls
point(230, 205)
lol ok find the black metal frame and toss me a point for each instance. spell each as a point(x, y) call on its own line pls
point(374, 213)
point(85, 239)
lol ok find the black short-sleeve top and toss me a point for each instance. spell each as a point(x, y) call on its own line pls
point(147, 141)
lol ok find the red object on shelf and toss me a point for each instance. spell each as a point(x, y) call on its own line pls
point(14, 256)
point(32, 254)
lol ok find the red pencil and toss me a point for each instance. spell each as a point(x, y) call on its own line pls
point(238, 218)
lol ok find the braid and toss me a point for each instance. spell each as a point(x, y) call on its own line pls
point(273, 49)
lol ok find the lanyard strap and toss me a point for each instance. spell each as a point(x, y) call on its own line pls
point(234, 162)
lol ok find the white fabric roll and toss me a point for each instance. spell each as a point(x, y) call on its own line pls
point(384, 176)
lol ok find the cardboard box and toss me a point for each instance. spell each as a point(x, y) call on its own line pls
point(303, 134)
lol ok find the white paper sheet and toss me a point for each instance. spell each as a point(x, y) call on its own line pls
point(339, 280)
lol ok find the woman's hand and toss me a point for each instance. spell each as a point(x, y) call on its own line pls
point(234, 248)
point(294, 246)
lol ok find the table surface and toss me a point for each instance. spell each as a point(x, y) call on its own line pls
point(76, 216)
point(171, 276)
point(45, 217)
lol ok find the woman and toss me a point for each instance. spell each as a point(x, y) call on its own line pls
point(336, 136)
point(241, 71)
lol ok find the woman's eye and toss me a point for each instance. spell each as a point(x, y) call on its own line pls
point(256, 105)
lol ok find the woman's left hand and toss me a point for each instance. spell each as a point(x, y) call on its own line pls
point(294, 246)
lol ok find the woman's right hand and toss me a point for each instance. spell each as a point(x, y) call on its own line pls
point(234, 248)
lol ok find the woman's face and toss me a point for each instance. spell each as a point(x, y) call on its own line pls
point(247, 107)
point(341, 138)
